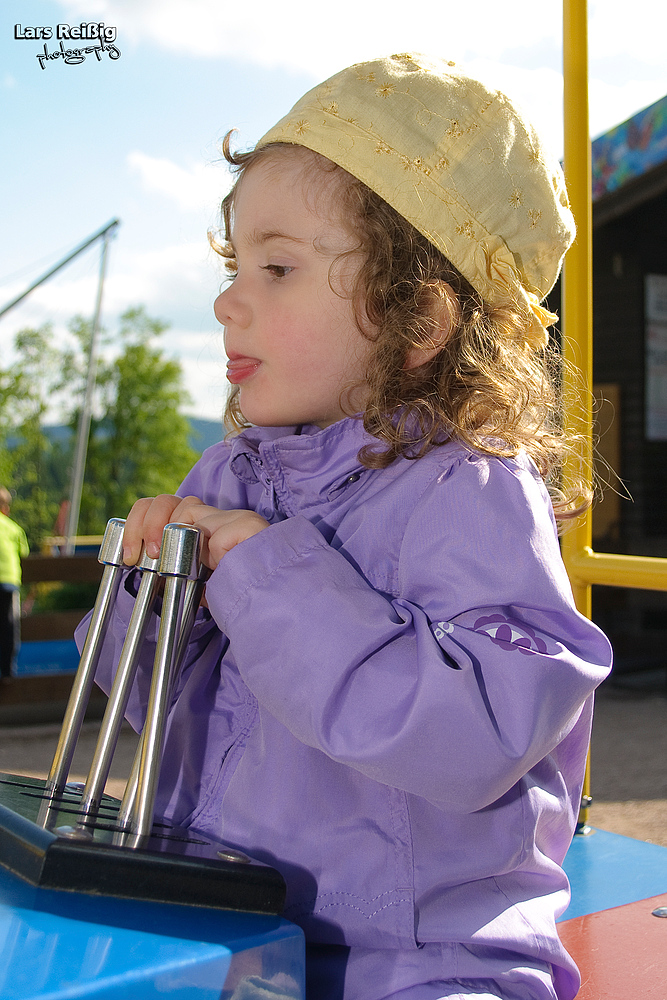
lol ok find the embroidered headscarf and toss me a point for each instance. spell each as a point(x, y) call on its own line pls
point(458, 160)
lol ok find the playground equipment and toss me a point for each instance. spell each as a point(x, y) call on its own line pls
point(71, 837)
point(613, 927)
point(122, 927)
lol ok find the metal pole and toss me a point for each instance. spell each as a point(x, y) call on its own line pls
point(179, 563)
point(111, 555)
point(83, 431)
point(193, 593)
point(120, 691)
point(75, 253)
point(578, 277)
point(578, 300)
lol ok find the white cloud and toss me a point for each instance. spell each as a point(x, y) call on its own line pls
point(175, 283)
point(626, 44)
point(192, 189)
point(619, 30)
point(539, 92)
point(320, 42)
point(297, 38)
point(205, 381)
point(64, 295)
point(612, 104)
point(172, 281)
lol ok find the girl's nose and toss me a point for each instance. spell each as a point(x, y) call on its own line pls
point(230, 308)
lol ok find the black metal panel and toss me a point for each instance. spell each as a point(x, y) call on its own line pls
point(172, 866)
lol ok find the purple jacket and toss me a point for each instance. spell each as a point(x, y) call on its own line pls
point(391, 704)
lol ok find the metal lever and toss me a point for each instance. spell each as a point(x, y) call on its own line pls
point(111, 555)
point(193, 593)
point(184, 579)
point(122, 685)
point(179, 564)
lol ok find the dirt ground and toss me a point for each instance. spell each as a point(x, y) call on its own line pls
point(629, 764)
point(29, 750)
point(628, 760)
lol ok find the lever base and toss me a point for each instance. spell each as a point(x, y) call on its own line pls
point(172, 866)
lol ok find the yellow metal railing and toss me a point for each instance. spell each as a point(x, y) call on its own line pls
point(585, 567)
point(59, 541)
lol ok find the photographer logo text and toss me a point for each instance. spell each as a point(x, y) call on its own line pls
point(100, 36)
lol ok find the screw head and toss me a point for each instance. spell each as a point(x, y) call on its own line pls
point(229, 854)
point(74, 832)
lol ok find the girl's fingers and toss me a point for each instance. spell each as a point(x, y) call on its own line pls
point(223, 533)
point(145, 524)
point(133, 535)
point(163, 510)
point(221, 529)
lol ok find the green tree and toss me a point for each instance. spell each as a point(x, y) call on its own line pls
point(139, 445)
point(27, 459)
point(139, 438)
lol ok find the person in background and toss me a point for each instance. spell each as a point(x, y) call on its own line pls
point(13, 547)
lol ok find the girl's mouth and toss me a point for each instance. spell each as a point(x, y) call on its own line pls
point(240, 368)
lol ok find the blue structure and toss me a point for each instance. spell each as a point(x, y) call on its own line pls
point(75, 946)
point(58, 656)
point(70, 945)
point(607, 870)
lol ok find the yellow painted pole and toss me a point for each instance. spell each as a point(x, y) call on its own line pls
point(578, 297)
point(642, 572)
point(578, 280)
point(585, 566)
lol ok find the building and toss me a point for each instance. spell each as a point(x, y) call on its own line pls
point(630, 375)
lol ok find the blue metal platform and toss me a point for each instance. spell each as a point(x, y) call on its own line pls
point(607, 870)
point(72, 946)
point(57, 656)
point(613, 928)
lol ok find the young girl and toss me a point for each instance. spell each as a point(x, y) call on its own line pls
point(389, 696)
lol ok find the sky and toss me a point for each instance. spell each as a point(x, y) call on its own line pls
point(137, 137)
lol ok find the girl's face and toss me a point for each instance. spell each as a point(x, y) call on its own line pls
point(293, 344)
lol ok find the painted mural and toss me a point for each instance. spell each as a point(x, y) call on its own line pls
point(631, 149)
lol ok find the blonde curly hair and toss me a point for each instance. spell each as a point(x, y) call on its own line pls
point(487, 385)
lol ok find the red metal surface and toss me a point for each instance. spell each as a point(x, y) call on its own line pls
point(621, 953)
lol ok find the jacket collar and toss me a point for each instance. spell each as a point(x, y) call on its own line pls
point(305, 466)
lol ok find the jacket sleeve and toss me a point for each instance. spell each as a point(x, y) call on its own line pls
point(454, 687)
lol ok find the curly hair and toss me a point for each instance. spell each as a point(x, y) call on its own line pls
point(488, 385)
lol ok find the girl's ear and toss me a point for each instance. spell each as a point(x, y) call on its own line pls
point(443, 312)
point(418, 356)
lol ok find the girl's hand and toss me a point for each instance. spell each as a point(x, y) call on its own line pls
point(221, 529)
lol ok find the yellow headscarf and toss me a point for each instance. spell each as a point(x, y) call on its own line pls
point(457, 160)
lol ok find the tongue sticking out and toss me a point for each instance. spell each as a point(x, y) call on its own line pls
point(239, 369)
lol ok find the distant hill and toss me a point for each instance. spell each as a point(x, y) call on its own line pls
point(203, 433)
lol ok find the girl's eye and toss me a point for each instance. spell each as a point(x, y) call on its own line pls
point(277, 270)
